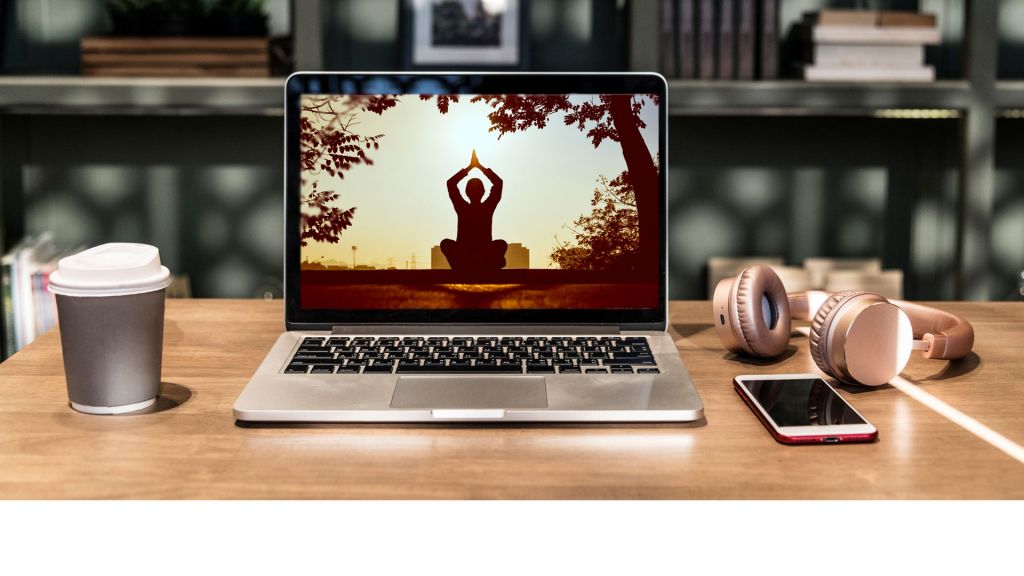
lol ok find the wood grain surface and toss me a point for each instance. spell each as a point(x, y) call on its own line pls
point(189, 446)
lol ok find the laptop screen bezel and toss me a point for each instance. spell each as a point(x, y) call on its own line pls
point(300, 83)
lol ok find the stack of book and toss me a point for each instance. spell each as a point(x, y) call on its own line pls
point(28, 308)
point(862, 45)
point(720, 39)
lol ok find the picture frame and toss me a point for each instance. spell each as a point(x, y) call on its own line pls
point(464, 34)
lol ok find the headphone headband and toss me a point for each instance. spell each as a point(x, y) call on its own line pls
point(949, 337)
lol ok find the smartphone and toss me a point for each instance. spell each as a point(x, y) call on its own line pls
point(803, 409)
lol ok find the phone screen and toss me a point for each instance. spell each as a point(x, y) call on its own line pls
point(803, 402)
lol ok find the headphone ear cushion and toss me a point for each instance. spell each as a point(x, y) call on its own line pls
point(819, 329)
point(753, 285)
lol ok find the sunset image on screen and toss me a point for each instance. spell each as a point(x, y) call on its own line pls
point(487, 201)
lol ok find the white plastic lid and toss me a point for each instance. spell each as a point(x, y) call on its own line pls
point(116, 269)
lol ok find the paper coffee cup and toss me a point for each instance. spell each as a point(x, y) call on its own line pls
point(110, 308)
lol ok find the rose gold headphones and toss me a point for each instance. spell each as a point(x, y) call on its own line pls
point(857, 337)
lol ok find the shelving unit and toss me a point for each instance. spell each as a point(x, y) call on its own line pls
point(976, 100)
point(156, 96)
point(973, 103)
point(795, 97)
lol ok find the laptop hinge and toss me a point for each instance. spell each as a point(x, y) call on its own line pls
point(481, 329)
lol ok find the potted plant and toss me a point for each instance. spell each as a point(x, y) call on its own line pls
point(156, 17)
point(126, 16)
point(173, 17)
point(239, 18)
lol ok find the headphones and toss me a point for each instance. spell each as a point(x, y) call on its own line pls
point(857, 337)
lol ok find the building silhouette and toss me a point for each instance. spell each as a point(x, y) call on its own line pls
point(517, 256)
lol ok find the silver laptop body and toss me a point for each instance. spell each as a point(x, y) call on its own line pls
point(557, 364)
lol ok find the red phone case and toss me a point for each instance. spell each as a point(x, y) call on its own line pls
point(797, 440)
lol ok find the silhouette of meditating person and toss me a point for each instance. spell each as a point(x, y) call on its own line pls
point(473, 247)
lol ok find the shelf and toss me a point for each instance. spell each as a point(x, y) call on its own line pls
point(263, 96)
point(161, 96)
point(796, 97)
point(1009, 94)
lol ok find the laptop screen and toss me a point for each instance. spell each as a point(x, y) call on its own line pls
point(479, 201)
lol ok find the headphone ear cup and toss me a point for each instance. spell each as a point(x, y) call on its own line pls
point(819, 331)
point(762, 308)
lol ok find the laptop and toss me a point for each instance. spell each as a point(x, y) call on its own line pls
point(474, 248)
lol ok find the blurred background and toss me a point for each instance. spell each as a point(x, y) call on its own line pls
point(908, 185)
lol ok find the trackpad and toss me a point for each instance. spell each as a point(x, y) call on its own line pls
point(470, 392)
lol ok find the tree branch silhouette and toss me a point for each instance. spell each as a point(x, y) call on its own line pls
point(608, 238)
point(613, 117)
point(329, 144)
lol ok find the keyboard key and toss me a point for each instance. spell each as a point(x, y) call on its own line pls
point(462, 369)
point(622, 370)
point(648, 371)
point(348, 370)
point(597, 371)
point(378, 368)
point(630, 359)
point(568, 369)
point(322, 369)
point(539, 367)
point(312, 357)
point(315, 353)
point(296, 369)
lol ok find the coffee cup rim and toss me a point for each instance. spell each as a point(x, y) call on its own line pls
point(141, 286)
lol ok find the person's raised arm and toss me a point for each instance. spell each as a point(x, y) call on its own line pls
point(453, 186)
point(496, 185)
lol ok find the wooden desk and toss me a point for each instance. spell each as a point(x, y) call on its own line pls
point(191, 448)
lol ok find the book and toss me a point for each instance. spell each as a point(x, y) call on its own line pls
point(871, 18)
point(7, 305)
point(26, 306)
point(865, 55)
point(843, 17)
point(668, 39)
point(871, 35)
point(768, 42)
point(815, 73)
point(887, 18)
point(746, 37)
point(726, 40)
point(706, 40)
point(687, 52)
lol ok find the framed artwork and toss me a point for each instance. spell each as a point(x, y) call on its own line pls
point(462, 34)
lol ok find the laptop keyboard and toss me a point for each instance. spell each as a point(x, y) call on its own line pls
point(473, 355)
